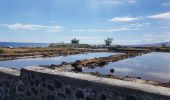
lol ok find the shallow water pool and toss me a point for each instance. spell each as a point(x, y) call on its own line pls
point(152, 66)
point(52, 60)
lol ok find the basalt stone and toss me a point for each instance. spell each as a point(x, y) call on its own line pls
point(44, 85)
point(77, 61)
point(102, 63)
point(50, 87)
point(57, 84)
point(61, 95)
point(33, 77)
point(12, 91)
point(21, 88)
point(25, 78)
point(41, 90)
point(53, 66)
point(34, 91)
point(130, 98)
point(6, 98)
point(29, 77)
point(103, 97)
point(74, 64)
point(112, 70)
point(31, 82)
point(94, 91)
point(67, 91)
point(28, 93)
point(64, 63)
point(77, 69)
point(37, 82)
point(43, 79)
point(50, 97)
point(1, 84)
point(88, 98)
point(79, 94)
point(6, 84)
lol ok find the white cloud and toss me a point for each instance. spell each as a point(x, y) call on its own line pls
point(123, 19)
point(166, 4)
point(140, 25)
point(132, 1)
point(19, 26)
point(161, 16)
point(165, 15)
point(118, 2)
point(106, 30)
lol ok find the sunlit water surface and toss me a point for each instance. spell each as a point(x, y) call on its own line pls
point(52, 60)
point(152, 66)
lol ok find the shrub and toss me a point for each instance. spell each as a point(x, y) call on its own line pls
point(108, 41)
point(75, 41)
point(1, 50)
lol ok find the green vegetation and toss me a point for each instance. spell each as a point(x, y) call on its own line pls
point(108, 41)
point(1, 50)
point(163, 45)
point(66, 45)
point(75, 41)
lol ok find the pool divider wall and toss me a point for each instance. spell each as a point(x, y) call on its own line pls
point(8, 83)
point(38, 83)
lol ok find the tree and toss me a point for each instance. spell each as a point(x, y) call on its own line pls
point(75, 41)
point(108, 41)
point(163, 45)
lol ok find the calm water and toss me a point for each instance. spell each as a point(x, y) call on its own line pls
point(153, 66)
point(14, 44)
point(52, 60)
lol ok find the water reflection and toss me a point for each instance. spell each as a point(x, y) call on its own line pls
point(51, 60)
point(153, 66)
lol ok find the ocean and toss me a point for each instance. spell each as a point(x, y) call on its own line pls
point(15, 44)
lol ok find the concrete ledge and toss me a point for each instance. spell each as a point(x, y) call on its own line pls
point(39, 83)
point(9, 71)
point(147, 88)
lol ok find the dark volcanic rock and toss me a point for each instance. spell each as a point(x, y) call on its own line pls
point(102, 63)
point(112, 70)
point(77, 69)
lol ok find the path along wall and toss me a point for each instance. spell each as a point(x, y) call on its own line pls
point(37, 83)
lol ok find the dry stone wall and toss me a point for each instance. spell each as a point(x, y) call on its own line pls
point(36, 83)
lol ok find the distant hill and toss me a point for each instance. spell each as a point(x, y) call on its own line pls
point(154, 44)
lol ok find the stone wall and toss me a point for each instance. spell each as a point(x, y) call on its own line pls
point(37, 83)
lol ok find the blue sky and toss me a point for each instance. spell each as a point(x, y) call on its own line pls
point(91, 21)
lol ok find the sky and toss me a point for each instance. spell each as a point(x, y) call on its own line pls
point(90, 21)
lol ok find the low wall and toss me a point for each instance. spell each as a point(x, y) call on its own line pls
point(37, 83)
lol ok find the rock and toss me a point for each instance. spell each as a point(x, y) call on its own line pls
point(63, 63)
point(102, 63)
point(74, 64)
point(77, 69)
point(109, 75)
point(78, 61)
point(53, 66)
point(112, 70)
